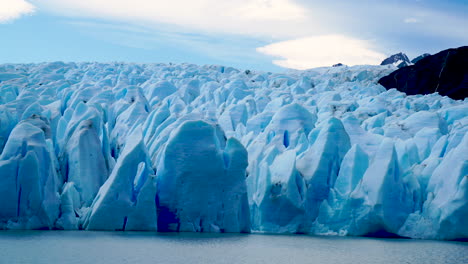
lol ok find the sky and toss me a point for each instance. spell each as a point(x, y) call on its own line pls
point(269, 35)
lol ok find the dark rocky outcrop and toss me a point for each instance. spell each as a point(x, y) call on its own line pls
point(400, 60)
point(418, 58)
point(338, 65)
point(445, 72)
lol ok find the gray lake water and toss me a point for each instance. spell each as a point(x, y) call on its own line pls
point(133, 247)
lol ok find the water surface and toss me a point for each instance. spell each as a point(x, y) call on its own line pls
point(48, 247)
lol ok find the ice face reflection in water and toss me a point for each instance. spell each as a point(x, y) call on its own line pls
point(134, 247)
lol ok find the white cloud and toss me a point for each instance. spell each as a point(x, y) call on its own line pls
point(280, 10)
point(311, 52)
point(13, 9)
point(264, 17)
point(411, 20)
point(277, 20)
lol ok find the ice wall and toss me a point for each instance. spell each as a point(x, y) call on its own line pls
point(214, 149)
point(201, 182)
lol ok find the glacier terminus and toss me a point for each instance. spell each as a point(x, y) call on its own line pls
point(187, 148)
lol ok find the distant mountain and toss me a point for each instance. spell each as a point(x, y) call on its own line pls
point(338, 65)
point(420, 57)
point(445, 72)
point(400, 60)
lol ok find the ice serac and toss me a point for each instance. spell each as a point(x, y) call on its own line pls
point(29, 182)
point(201, 181)
point(86, 170)
point(353, 167)
point(444, 213)
point(70, 208)
point(7, 122)
point(290, 122)
point(276, 187)
point(161, 89)
point(279, 199)
point(86, 163)
point(236, 207)
point(335, 212)
point(382, 201)
point(126, 201)
point(320, 165)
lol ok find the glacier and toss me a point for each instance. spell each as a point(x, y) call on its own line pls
point(188, 148)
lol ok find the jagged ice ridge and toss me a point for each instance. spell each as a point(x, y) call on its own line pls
point(214, 149)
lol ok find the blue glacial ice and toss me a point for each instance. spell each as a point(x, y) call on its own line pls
point(214, 149)
point(201, 181)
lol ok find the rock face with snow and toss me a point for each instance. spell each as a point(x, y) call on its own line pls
point(399, 60)
point(338, 65)
point(214, 149)
point(445, 72)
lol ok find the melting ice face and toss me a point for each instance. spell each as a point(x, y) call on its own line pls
point(214, 149)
